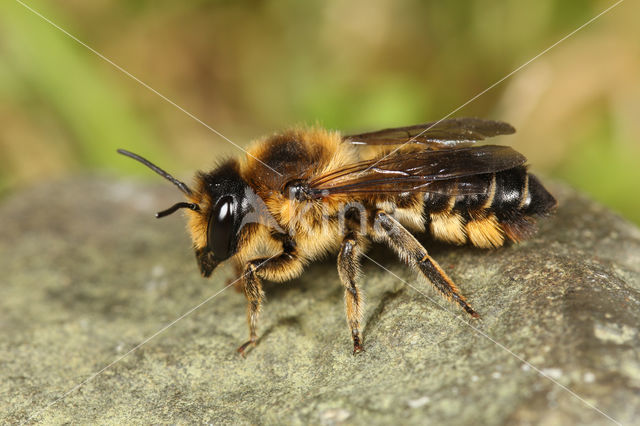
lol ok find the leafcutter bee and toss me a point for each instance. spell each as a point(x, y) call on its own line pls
point(307, 192)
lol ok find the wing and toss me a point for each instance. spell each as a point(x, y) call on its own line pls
point(438, 135)
point(448, 171)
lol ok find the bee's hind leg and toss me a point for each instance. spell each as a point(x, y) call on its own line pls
point(349, 270)
point(388, 229)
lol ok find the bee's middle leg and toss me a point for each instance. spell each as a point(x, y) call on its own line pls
point(348, 270)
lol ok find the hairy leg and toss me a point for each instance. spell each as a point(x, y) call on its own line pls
point(282, 267)
point(388, 229)
point(349, 270)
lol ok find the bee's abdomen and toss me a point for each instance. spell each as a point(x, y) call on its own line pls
point(502, 207)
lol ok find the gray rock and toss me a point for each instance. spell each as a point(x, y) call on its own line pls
point(88, 275)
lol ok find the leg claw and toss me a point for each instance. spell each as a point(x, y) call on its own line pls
point(244, 346)
point(357, 347)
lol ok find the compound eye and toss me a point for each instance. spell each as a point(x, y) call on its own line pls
point(220, 230)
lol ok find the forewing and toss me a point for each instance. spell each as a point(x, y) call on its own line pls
point(442, 134)
point(443, 171)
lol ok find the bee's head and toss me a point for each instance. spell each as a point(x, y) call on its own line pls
point(225, 204)
point(217, 209)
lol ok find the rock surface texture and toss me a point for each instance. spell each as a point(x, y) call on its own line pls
point(88, 275)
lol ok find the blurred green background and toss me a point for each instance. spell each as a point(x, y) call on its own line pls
point(248, 68)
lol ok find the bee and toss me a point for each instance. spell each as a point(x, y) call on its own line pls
point(307, 192)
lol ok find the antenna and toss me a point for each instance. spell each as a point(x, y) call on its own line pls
point(181, 185)
point(177, 206)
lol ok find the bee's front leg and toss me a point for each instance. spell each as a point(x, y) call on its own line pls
point(252, 287)
point(236, 278)
point(283, 267)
